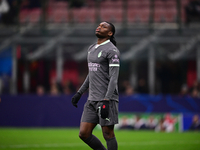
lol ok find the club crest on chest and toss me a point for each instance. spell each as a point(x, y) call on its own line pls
point(100, 53)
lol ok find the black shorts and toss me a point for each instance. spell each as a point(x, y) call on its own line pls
point(91, 113)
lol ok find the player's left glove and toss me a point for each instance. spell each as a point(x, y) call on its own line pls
point(105, 109)
point(75, 99)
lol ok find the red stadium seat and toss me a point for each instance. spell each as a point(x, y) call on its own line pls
point(110, 10)
point(61, 5)
point(171, 15)
point(165, 11)
point(134, 2)
point(24, 16)
point(183, 15)
point(159, 3)
point(58, 16)
point(159, 14)
point(35, 15)
point(84, 15)
point(171, 3)
point(90, 3)
point(138, 15)
point(111, 4)
point(112, 15)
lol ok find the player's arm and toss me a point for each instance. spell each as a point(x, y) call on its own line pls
point(113, 73)
point(114, 64)
point(82, 89)
point(84, 86)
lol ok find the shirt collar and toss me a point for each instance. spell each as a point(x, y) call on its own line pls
point(102, 43)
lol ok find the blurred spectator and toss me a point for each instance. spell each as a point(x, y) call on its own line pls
point(151, 122)
point(195, 123)
point(161, 126)
point(169, 122)
point(55, 87)
point(54, 90)
point(195, 93)
point(192, 11)
point(40, 90)
point(124, 123)
point(129, 90)
point(142, 87)
point(184, 90)
point(126, 88)
point(123, 86)
point(194, 86)
point(139, 123)
point(194, 90)
point(57, 84)
point(68, 87)
point(166, 124)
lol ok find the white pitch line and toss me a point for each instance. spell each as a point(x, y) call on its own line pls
point(42, 145)
point(160, 143)
point(82, 144)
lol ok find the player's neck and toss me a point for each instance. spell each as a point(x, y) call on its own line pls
point(101, 40)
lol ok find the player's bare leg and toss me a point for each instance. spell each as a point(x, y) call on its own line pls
point(86, 135)
point(109, 136)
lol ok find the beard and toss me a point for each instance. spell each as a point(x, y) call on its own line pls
point(99, 36)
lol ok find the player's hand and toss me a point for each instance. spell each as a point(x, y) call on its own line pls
point(105, 109)
point(75, 99)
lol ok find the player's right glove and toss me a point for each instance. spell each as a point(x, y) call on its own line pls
point(75, 99)
point(105, 109)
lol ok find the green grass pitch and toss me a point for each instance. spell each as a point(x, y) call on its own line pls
point(67, 139)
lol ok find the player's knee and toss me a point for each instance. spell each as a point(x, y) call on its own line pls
point(108, 135)
point(83, 135)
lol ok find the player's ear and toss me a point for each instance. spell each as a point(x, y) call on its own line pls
point(110, 33)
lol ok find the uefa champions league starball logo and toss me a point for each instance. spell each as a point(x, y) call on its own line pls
point(115, 59)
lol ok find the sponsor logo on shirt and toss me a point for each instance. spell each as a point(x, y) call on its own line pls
point(93, 66)
point(115, 59)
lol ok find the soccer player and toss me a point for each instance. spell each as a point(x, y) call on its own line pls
point(102, 104)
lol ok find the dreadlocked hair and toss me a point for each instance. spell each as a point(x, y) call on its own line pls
point(112, 38)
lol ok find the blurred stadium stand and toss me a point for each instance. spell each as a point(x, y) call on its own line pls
point(149, 37)
point(58, 11)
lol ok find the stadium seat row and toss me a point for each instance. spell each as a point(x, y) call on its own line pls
point(58, 12)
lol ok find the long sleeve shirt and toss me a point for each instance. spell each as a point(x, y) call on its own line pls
point(103, 67)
